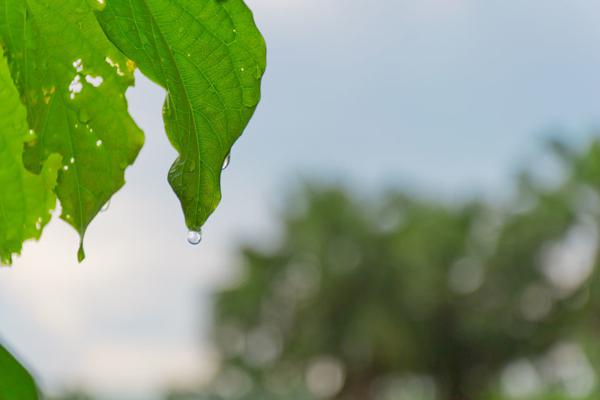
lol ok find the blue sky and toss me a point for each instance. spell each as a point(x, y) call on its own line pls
point(451, 97)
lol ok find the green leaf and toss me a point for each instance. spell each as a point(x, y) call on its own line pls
point(72, 81)
point(210, 57)
point(15, 382)
point(25, 199)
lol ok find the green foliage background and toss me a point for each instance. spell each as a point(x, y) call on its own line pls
point(405, 297)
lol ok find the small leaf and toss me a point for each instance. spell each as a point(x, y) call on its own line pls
point(72, 81)
point(210, 57)
point(25, 199)
point(15, 382)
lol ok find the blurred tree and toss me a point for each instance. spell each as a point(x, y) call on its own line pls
point(73, 395)
point(403, 298)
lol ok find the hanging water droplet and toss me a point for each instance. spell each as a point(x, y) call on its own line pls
point(227, 161)
point(105, 207)
point(194, 237)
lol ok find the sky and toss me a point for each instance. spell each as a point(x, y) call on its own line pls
point(447, 97)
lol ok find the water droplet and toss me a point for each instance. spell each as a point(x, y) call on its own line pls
point(194, 237)
point(232, 38)
point(66, 167)
point(84, 116)
point(105, 207)
point(98, 143)
point(98, 4)
point(72, 160)
point(166, 109)
point(31, 138)
point(226, 162)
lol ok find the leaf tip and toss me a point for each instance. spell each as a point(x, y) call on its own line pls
point(6, 261)
point(80, 253)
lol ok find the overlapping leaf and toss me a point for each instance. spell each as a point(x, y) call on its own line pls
point(15, 381)
point(210, 57)
point(25, 199)
point(72, 81)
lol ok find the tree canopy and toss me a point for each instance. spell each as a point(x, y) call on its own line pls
point(397, 296)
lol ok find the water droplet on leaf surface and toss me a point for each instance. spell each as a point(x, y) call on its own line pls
point(194, 237)
point(226, 162)
point(166, 110)
point(97, 5)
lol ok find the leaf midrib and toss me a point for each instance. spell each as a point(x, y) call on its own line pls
point(69, 135)
point(195, 132)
